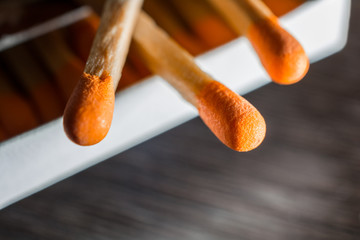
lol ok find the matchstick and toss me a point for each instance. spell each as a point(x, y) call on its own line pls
point(16, 114)
point(82, 35)
point(88, 113)
point(204, 21)
point(280, 53)
point(167, 18)
point(230, 117)
point(33, 79)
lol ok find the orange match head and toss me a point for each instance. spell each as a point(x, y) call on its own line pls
point(280, 53)
point(88, 113)
point(237, 123)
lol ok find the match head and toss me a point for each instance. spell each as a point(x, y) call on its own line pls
point(89, 111)
point(237, 123)
point(281, 54)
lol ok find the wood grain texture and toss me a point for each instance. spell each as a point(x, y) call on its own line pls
point(302, 183)
point(172, 63)
point(110, 47)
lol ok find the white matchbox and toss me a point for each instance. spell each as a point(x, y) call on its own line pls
point(43, 156)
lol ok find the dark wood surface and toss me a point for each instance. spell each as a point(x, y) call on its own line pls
point(302, 183)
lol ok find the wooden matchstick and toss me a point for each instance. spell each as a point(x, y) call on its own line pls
point(230, 117)
point(82, 36)
point(89, 111)
point(280, 53)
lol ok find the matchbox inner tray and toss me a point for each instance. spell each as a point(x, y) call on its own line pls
point(43, 156)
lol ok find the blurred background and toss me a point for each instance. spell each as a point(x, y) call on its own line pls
point(303, 182)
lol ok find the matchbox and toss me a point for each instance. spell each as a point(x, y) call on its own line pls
point(43, 156)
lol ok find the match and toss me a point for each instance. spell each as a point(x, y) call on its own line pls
point(230, 117)
point(89, 111)
point(281, 54)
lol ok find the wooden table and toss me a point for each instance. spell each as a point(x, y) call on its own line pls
point(302, 183)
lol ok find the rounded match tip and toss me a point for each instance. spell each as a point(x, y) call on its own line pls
point(281, 54)
point(88, 113)
point(237, 123)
